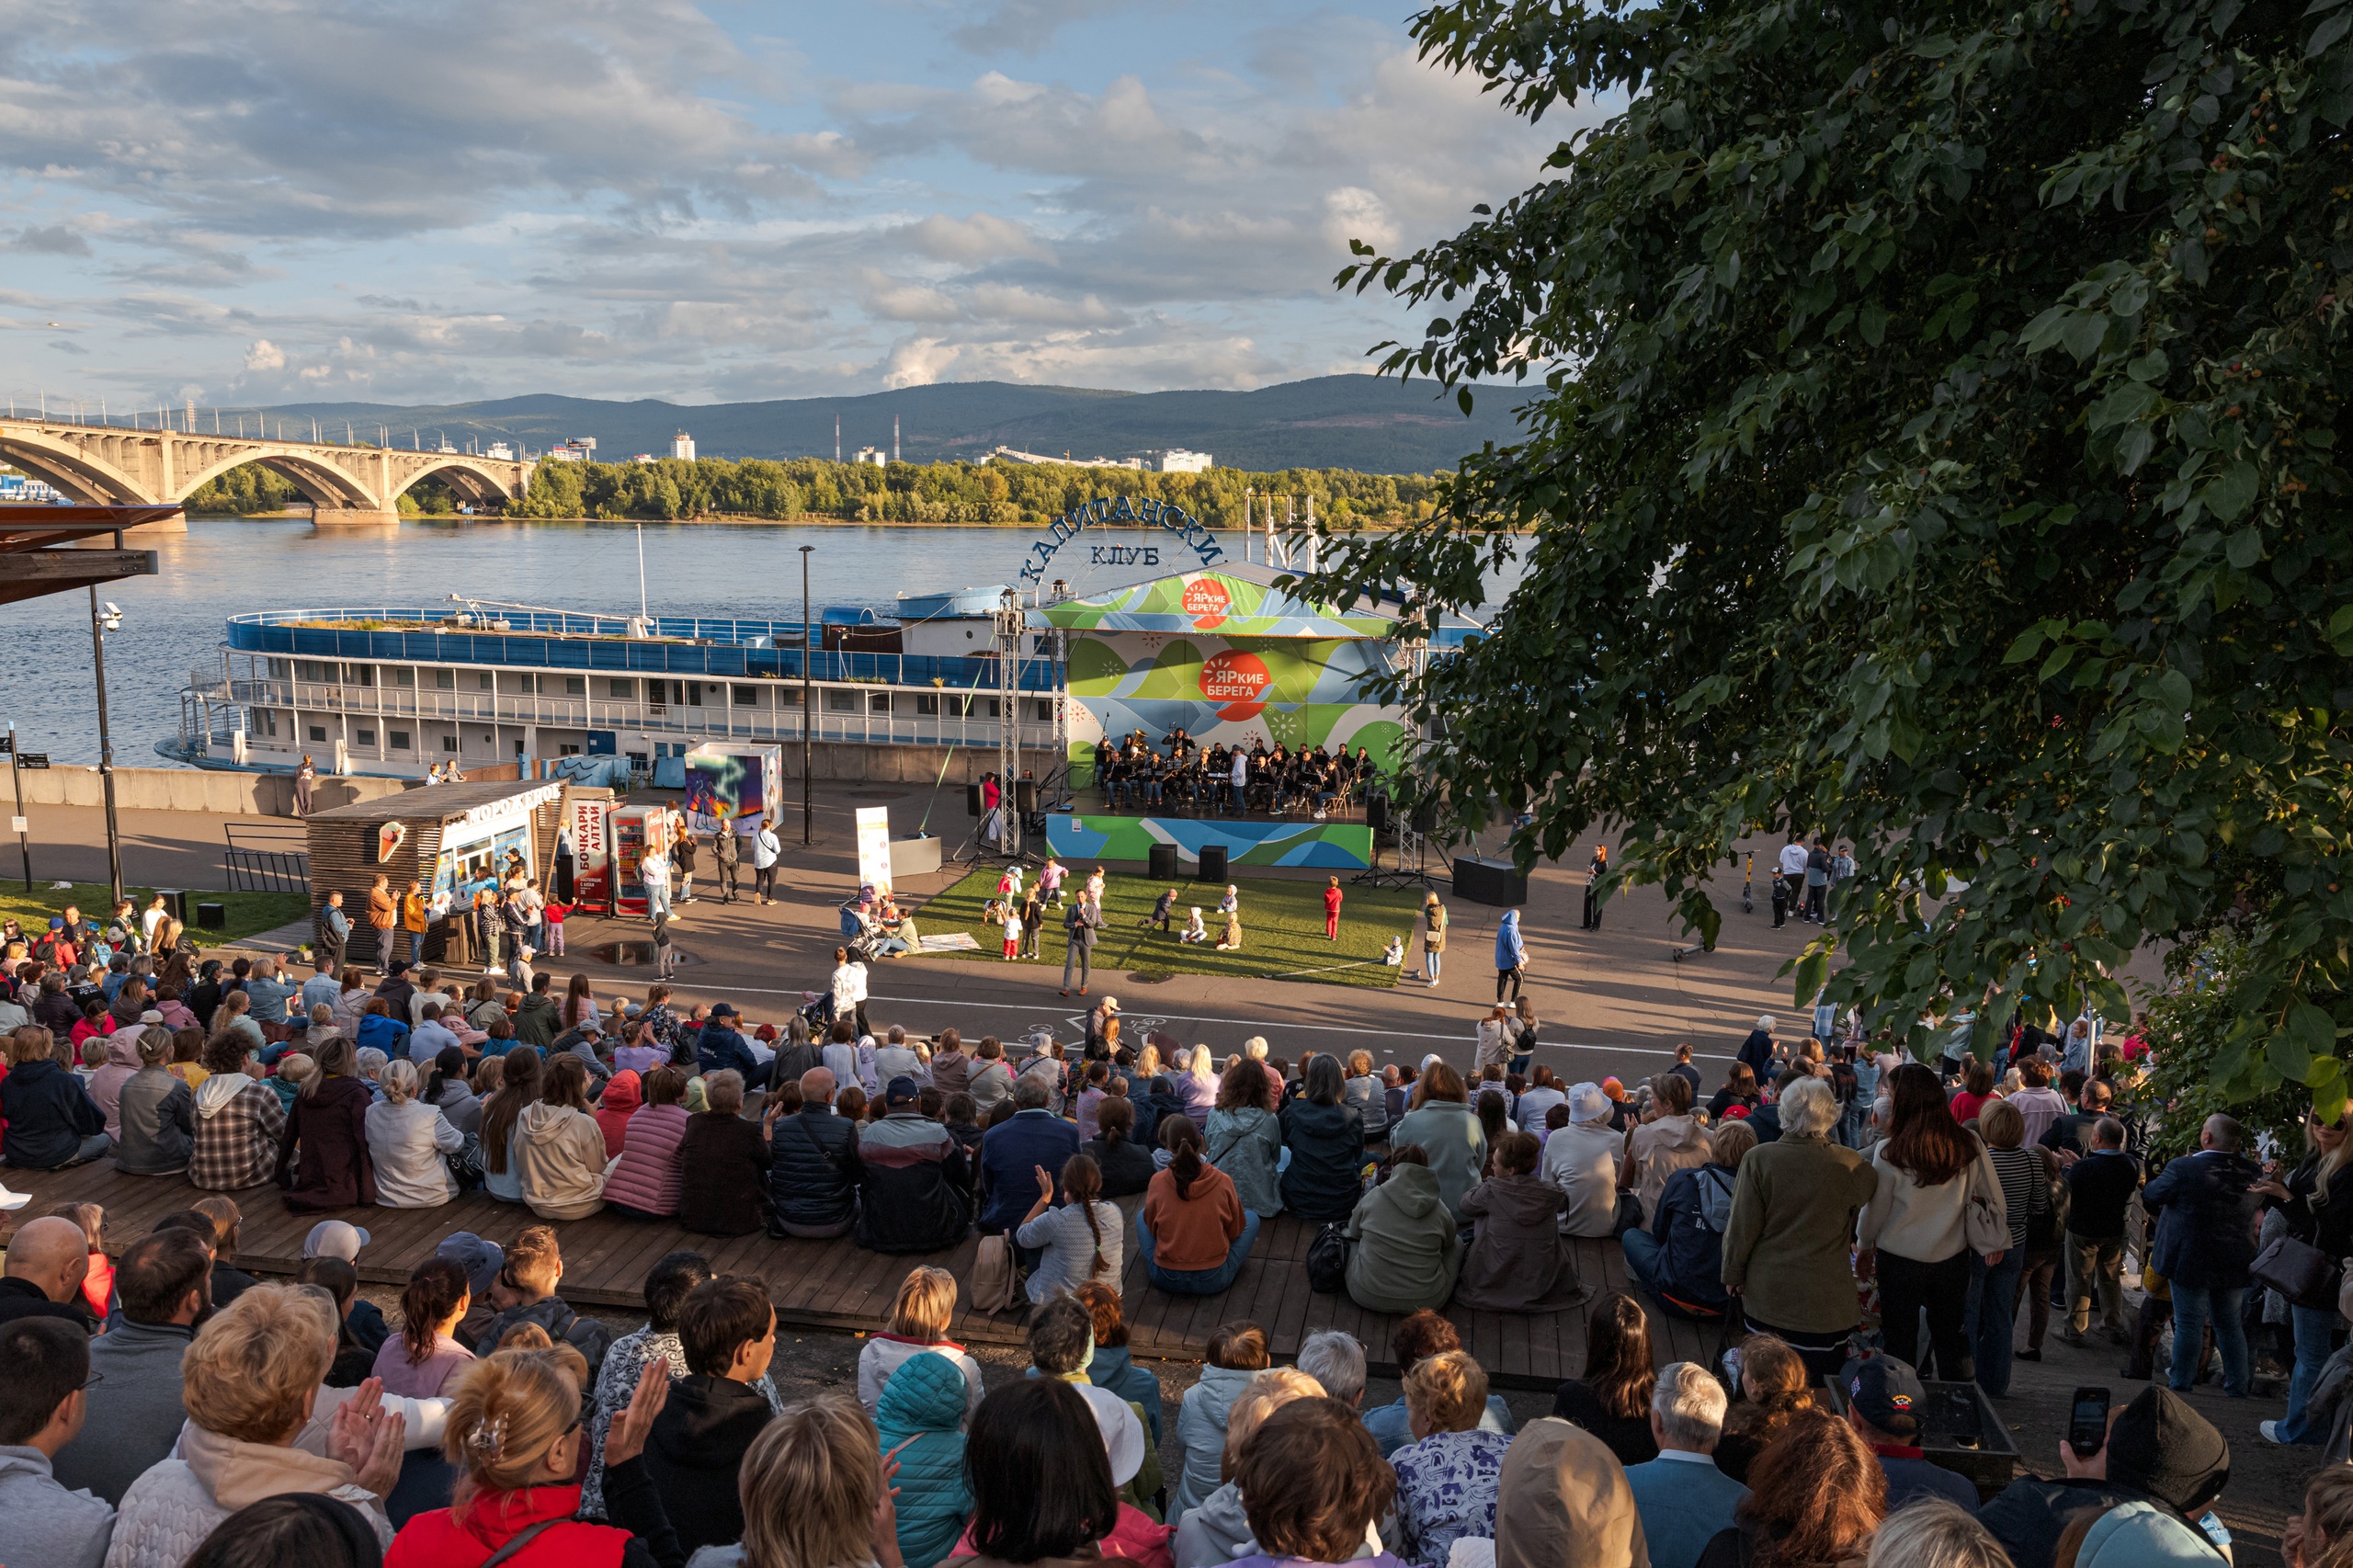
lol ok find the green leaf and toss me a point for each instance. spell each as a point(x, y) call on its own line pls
point(2246, 548)
point(2312, 1028)
point(1813, 969)
point(2288, 1056)
point(2327, 33)
point(1461, 396)
point(2232, 492)
point(1872, 321)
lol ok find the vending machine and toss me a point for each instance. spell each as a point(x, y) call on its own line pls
point(633, 832)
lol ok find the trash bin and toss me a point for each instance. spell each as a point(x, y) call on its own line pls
point(175, 904)
point(213, 916)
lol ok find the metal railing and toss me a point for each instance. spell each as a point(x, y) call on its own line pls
point(265, 857)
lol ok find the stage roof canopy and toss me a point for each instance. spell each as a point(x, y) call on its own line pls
point(1231, 600)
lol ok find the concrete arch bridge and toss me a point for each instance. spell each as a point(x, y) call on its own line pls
point(345, 485)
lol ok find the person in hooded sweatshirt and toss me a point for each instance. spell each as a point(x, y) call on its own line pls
point(559, 1148)
point(43, 1364)
point(121, 1063)
point(715, 1414)
point(1672, 1140)
point(157, 1113)
point(1517, 1262)
point(623, 1094)
point(239, 1121)
point(1219, 1531)
point(328, 1126)
point(47, 1120)
point(1237, 1353)
point(921, 1415)
point(1407, 1255)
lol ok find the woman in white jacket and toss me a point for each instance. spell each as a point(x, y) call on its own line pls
point(1914, 1231)
point(250, 1379)
point(559, 1148)
point(410, 1141)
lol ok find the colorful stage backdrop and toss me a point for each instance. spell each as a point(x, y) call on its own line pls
point(1231, 659)
point(1338, 845)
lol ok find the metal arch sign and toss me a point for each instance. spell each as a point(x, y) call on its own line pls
point(1105, 511)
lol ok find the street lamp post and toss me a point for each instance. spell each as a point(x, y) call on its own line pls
point(808, 658)
point(103, 620)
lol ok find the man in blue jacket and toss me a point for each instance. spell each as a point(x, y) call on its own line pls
point(719, 1049)
point(1013, 1152)
point(2204, 1246)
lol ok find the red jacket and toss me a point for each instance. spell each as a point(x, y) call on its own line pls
point(441, 1539)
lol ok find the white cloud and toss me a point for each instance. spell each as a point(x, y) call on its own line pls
point(616, 198)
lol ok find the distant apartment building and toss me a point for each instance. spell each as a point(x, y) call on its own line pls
point(23, 487)
point(1177, 460)
point(682, 447)
point(501, 450)
point(874, 455)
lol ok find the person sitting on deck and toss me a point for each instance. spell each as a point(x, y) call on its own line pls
point(526, 1293)
point(1419, 1336)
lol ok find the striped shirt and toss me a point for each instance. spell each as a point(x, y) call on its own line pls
point(2026, 1190)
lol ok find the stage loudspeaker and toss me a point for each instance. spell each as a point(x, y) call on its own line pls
point(972, 799)
point(1164, 862)
point(1489, 882)
point(1025, 796)
point(1212, 862)
point(1425, 817)
point(1376, 814)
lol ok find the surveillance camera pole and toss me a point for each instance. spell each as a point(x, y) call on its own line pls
point(106, 743)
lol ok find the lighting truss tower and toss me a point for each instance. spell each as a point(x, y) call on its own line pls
point(1009, 620)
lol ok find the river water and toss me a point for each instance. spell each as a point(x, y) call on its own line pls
point(223, 566)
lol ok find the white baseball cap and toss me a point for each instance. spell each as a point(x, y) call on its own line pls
point(334, 1238)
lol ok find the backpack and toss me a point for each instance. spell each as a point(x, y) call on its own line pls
point(996, 1277)
point(1327, 1258)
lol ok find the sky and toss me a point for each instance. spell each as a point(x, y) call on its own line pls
point(258, 201)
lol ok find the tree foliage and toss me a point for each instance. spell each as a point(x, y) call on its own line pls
point(1935, 442)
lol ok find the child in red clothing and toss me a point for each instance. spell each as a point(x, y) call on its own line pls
point(553, 914)
point(1331, 910)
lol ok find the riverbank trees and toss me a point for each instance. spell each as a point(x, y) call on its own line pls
point(1005, 495)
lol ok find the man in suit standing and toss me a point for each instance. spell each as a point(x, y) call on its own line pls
point(1086, 919)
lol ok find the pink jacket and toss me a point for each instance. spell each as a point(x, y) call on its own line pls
point(647, 1176)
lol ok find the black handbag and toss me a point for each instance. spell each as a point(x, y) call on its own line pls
point(1327, 1258)
point(2298, 1270)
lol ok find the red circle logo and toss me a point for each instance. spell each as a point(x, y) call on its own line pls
point(1236, 682)
point(1207, 602)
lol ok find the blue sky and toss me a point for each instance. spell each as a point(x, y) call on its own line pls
point(277, 200)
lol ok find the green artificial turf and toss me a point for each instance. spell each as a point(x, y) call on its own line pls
point(248, 912)
point(1282, 929)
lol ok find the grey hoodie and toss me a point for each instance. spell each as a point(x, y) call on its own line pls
point(41, 1524)
point(158, 1124)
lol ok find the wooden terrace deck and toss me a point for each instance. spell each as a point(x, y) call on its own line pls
point(835, 1286)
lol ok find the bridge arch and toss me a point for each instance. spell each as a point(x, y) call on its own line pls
point(321, 484)
point(474, 479)
point(76, 471)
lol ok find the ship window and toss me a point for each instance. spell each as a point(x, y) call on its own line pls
point(445, 680)
point(877, 702)
point(448, 743)
point(366, 737)
point(838, 700)
point(403, 677)
point(575, 686)
point(319, 734)
point(620, 689)
point(400, 740)
point(694, 694)
point(359, 675)
point(927, 705)
point(567, 751)
point(743, 696)
point(1045, 709)
point(485, 680)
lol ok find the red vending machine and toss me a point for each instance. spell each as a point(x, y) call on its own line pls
point(633, 831)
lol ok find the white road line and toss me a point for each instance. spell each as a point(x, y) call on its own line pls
point(1667, 1051)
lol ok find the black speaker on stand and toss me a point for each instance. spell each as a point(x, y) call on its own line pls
point(1376, 815)
point(1164, 862)
point(972, 799)
point(1212, 862)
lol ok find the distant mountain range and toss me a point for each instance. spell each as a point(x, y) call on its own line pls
point(1374, 425)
